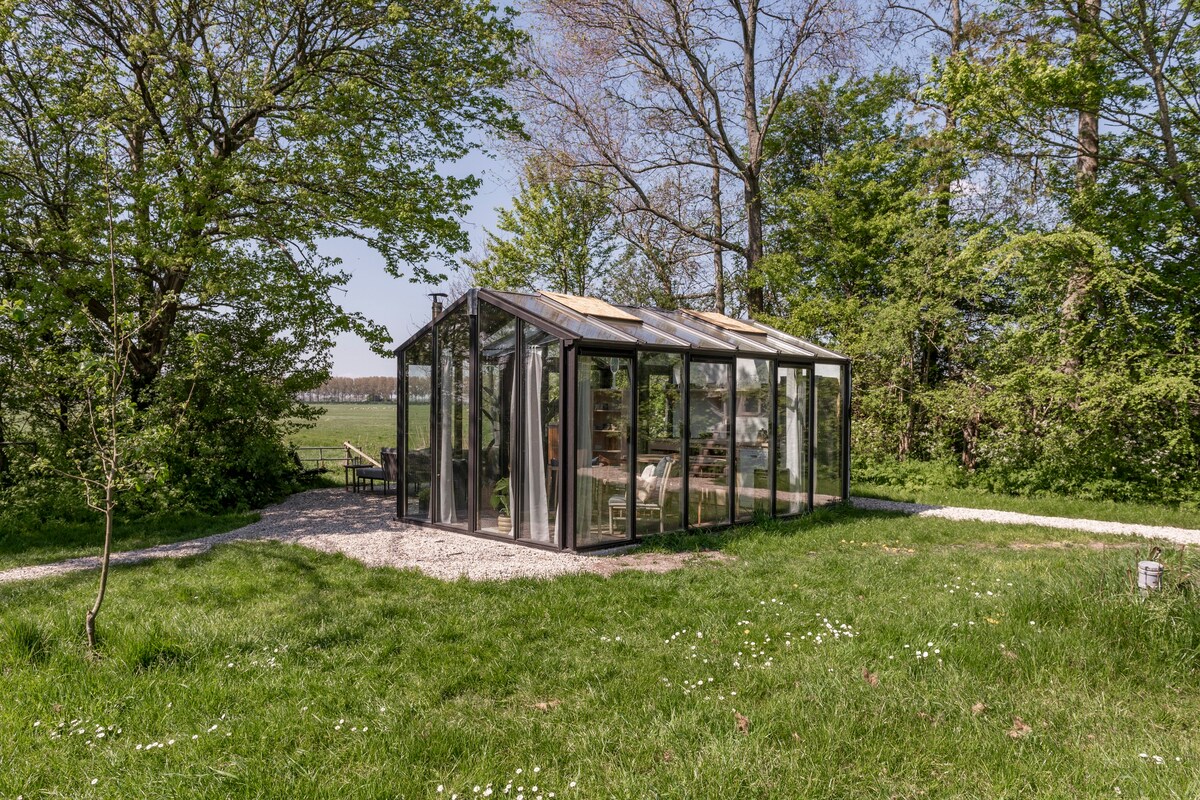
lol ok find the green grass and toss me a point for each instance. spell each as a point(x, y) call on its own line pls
point(368, 426)
point(26, 540)
point(1142, 514)
point(250, 657)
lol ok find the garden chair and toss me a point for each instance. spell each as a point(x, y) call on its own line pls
point(651, 495)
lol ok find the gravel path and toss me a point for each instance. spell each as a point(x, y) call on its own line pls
point(1177, 535)
point(363, 527)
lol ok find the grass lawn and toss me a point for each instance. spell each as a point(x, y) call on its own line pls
point(266, 670)
point(368, 426)
point(1142, 514)
point(25, 541)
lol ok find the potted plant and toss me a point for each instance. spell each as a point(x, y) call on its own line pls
point(500, 503)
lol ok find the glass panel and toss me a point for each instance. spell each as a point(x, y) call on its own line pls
point(828, 431)
point(791, 446)
point(418, 369)
point(604, 412)
point(660, 439)
point(645, 333)
point(745, 343)
point(708, 449)
point(539, 449)
point(675, 327)
point(497, 382)
point(576, 324)
point(753, 438)
point(454, 414)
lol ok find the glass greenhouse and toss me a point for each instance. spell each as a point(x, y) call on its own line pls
point(569, 423)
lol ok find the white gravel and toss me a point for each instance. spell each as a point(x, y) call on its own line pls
point(363, 527)
point(1176, 535)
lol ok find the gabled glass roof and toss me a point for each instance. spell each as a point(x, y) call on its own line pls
point(620, 326)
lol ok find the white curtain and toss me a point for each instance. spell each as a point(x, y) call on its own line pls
point(514, 446)
point(793, 421)
point(534, 478)
point(583, 452)
point(446, 503)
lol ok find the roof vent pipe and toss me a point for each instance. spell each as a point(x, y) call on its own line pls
point(437, 302)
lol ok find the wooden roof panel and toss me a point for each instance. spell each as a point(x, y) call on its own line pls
point(728, 323)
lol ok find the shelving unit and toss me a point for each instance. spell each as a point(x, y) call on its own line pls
point(607, 419)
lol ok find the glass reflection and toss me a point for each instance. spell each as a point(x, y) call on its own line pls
point(753, 438)
point(418, 371)
point(708, 448)
point(497, 383)
point(791, 447)
point(541, 386)
point(828, 434)
point(604, 411)
point(659, 488)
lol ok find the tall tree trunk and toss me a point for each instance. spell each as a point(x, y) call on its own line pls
point(1087, 166)
point(1087, 161)
point(750, 173)
point(719, 229)
point(755, 295)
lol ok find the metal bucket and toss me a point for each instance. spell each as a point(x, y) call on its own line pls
point(1149, 576)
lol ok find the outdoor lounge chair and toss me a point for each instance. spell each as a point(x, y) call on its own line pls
point(387, 473)
point(651, 495)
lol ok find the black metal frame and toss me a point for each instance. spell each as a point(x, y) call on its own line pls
point(570, 349)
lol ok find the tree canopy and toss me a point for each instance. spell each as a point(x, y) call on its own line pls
point(228, 140)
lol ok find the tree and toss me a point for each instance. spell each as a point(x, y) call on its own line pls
point(115, 451)
point(683, 94)
point(864, 258)
point(244, 134)
point(561, 235)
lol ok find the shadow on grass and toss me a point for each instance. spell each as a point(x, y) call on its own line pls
point(822, 521)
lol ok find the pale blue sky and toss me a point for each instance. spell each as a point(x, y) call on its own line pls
point(400, 306)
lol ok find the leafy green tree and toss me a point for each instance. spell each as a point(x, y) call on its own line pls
point(1091, 104)
point(863, 259)
point(230, 139)
point(562, 235)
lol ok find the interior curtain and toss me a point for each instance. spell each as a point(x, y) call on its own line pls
point(583, 451)
point(446, 504)
point(792, 423)
point(534, 484)
point(514, 447)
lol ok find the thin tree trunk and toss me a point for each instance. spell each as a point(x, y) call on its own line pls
point(719, 227)
point(90, 620)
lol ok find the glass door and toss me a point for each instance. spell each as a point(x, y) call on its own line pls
point(604, 417)
point(710, 426)
point(791, 442)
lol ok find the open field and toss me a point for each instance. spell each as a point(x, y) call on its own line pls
point(368, 426)
point(267, 670)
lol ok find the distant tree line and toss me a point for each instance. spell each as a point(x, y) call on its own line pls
point(379, 389)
